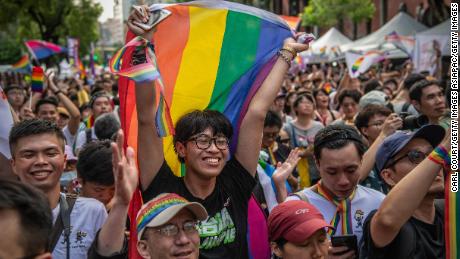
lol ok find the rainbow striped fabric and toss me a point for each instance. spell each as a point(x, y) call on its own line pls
point(23, 65)
point(42, 49)
point(37, 79)
point(152, 209)
point(211, 55)
point(365, 61)
point(343, 212)
point(452, 218)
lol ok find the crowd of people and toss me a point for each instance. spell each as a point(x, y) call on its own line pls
point(358, 168)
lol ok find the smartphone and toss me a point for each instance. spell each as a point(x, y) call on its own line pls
point(350, 241)
point(155, 17)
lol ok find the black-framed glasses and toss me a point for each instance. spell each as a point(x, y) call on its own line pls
point(271, 134)
point(284, 140)
point(204, 141)
point(170, 230)
point(376, 123)
point(415, 157)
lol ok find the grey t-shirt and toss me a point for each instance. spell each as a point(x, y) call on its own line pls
point(305, 138)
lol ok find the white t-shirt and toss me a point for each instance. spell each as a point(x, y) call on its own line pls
point(69, 138)
point(87, 217)
point(81, 138)
point(365, 201)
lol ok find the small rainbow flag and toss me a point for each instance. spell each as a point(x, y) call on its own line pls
point(42, 49)
point(37, 79)
point(367, 60)
point(452, 218)
point(23, 65)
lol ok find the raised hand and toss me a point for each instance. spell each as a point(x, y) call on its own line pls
point(124, 171)
point(392, 123)
point(283, 170)
point(140, 15)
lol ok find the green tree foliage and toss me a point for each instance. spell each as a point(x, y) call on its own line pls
point(325, 13)
point(50, 20)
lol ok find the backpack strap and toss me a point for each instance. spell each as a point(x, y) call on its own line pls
point(89, 135)
point(405, 107)
point(302, 196)
point(63, 222)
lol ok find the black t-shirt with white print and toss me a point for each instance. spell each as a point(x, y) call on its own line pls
point(223, 234)
point(415, 240)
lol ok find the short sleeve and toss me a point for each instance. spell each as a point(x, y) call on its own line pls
point(164, 181)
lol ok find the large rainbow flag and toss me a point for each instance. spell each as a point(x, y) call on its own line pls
point(211, 55)
point(42, 49)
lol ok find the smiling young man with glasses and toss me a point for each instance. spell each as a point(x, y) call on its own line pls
point(222, 185)
point(409, 222)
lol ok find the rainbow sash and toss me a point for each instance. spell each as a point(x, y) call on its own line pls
point(343, 212)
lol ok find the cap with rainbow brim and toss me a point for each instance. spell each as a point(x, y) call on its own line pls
point(163, 208)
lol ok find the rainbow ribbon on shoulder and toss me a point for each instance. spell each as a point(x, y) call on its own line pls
point(146, 72)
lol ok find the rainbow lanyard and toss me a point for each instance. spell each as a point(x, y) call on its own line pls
point(343, 210)
point(146, 72)
point(272, 156)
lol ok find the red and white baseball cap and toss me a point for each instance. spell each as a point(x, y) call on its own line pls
point(295, 221)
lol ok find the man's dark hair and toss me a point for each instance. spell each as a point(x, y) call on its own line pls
point(412, 79)
point(97, 95)
point(32, 207)
point(336, 137)
point(47, 100)
point(94, 163)
point(415, 92)
point(106, 125)
point(352, 93)
point(33, 127)
point(371, 85)
point(272, 119)
point(198, 121)
point(363, 117)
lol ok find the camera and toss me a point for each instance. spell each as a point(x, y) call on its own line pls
point(411, 122)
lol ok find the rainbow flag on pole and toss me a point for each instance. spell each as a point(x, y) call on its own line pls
point(211, 55)
point(358, 63)
point(37, 79)
point(42, 49)
point(23, 65)
point(452, 218)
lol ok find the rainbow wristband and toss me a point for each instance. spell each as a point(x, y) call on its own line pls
point(440, 156)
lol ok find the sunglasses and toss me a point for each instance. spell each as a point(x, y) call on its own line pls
point(414, 156)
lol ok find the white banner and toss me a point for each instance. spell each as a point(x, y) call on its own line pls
point(428, 51)
point(6, 125)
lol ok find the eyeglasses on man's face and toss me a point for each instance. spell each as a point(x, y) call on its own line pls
point(171, 230)
point(414, 156)
point(203, 141)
